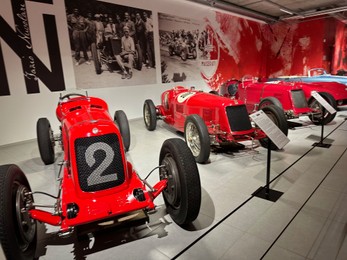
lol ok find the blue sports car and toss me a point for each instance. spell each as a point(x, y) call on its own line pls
point(315, 75)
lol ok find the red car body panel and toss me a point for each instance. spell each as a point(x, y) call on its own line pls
point(336, 89)
point(253, 92)
point(180, 102)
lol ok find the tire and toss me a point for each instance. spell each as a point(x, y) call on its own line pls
point(182, 195)
point(270, 101)
point(197, 138)
point(122, 121)
point(96, 60)
point(183, 55)
point(45, 140)
point(149, 115)
point(277, 116)
point(18, 232)
point(194, 54)
point(171, 51)
point(139, 59)
point(315, 105)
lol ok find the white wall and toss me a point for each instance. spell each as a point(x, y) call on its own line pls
point(20, 111)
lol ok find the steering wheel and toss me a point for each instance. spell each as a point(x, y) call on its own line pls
point(68, 96)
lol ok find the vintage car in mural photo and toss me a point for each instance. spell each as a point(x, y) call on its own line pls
point(98, 187)
point(293, 97)
point(316, 75)
point(208, 120)
point(104, 53)
point(183, 46)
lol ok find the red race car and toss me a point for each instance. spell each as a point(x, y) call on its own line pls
point(294, 97)
point(208, 119)
point(98, 187)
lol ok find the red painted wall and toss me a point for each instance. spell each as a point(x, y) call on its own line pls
point(263, 50)
point(298, 47)
point(340, 50)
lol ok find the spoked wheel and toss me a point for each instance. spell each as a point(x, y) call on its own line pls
point(182, 195)
point(45, 140)
point(96, 59)
point(17, 229)
point(317, 118)
point(277, 116)
point(184, 55)
point(197, 138)
point(149, 115)
point(194, 53)
point(121, 120)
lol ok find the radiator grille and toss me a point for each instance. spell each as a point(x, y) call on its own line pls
point(238, 118)
point(299, 98)
point(99, 162)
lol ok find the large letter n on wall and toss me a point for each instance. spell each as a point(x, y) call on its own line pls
point(33, 68)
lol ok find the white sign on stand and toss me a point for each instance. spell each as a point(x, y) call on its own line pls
point(323, 102)
point(270, 129)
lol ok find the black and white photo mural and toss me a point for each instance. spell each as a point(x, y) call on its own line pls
point(179, 38)
point(111, 45)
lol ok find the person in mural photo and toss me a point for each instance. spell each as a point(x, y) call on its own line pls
point(150, 40)
point(140, 28)
point(129, 23)
point(99, 28)
point(128, 50)
point(79, 26)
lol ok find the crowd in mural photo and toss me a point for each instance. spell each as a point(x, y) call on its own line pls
point(117, 39)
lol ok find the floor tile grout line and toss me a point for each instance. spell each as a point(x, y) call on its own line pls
point(251, 197)
point(304, 204)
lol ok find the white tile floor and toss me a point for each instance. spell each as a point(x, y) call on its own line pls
point(309, 221)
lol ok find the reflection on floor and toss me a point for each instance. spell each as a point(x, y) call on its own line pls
point(309, 221)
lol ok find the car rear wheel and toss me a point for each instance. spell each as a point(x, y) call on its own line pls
point(17, 229)
point(121, 120)
point(316, 106)
point(277, 116)
point(194, 53)
point(96, 59)
point(45, 140)
point(270, 101)
point(197, 138)
point(139, 57)
point(150, 115)
point(182, 195)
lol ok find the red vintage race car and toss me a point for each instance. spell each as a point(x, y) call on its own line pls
point(98, 187)
point(294, 97)
point(207, 119)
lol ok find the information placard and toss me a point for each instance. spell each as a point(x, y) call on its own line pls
point(323, 102)
point(270, 129)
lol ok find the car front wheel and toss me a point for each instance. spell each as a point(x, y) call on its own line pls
point(96, 60)
point(121, 120)
point(182, 195)
point(317, 118)
point(45, 140)
point(17, 229)
point(277, 116)
point(197, 138)
point(150, 115)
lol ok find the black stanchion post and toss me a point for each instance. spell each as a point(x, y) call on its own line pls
point(266, 192)
point(320, 143)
